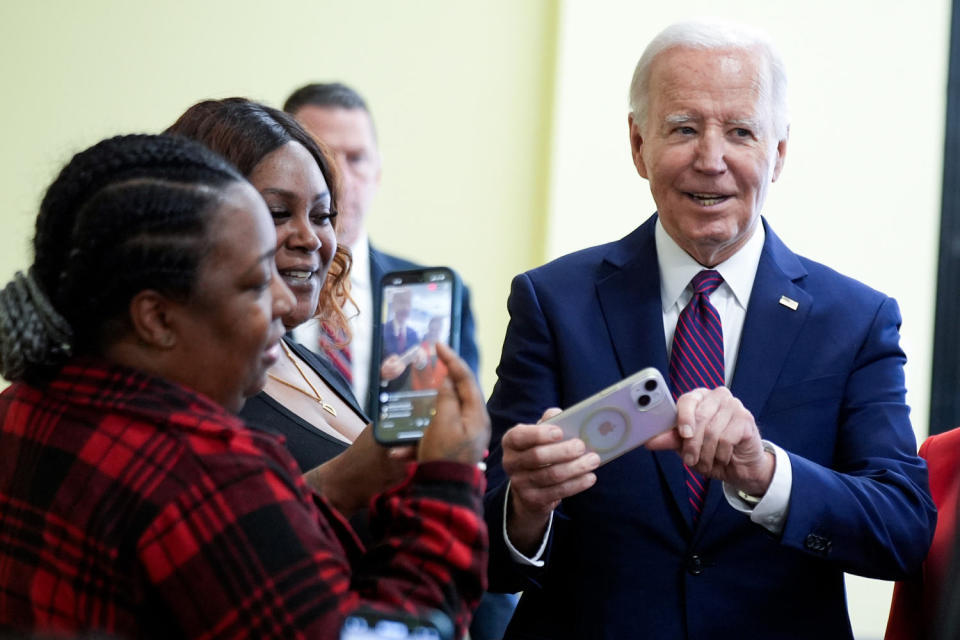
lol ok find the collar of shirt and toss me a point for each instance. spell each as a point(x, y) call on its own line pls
point(677, 268)
point(360, 270)
point(361, 318)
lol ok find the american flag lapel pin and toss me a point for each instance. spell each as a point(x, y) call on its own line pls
point(789, 303)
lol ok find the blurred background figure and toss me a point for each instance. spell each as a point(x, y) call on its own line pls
point(433, 371)
point(400, 346)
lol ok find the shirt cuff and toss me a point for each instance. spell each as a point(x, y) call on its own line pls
point(536, 559)
point(771, 512)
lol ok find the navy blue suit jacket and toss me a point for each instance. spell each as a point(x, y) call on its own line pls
point(824, 381)
point(382, 263)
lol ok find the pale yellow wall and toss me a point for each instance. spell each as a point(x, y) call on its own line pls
point(460, 91)
point(860, 190)
point(476, 137)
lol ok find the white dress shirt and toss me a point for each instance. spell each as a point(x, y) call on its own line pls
point(730, 299)
point(362, 319)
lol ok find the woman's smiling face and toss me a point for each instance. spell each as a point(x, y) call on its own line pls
point(299, 200)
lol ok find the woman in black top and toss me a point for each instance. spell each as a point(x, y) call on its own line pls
point(305, 399)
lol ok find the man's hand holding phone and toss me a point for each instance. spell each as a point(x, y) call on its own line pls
point(543, 469)
point(555, 459)
point(718, 437)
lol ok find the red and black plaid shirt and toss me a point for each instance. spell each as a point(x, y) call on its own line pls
point(133, 506)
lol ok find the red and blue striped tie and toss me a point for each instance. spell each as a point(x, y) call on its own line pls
point(341, 357)
point(696, 360)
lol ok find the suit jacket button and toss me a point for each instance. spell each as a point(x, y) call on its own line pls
point(695, 565)
point(818, 544)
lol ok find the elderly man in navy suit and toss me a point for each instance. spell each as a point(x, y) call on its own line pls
point(792, 460)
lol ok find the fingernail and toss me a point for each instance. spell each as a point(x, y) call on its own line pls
point(685, 431)
point(688, 460)
point(594, 460)
point(556, 433)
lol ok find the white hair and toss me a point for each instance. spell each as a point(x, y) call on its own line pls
point(712, 34)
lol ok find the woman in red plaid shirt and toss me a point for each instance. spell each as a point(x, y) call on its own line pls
point(132, 500)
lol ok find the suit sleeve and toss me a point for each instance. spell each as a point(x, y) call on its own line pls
point(526, 385)
point(870, 512)
point(468, 343)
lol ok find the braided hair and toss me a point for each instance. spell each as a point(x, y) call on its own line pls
point(245, 132)
point(128, 214)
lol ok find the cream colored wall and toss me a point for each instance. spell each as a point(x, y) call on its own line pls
point(476, 137)
point(460, 91)
point(860, 189)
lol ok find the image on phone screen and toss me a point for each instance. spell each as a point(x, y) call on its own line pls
point(417, 312)
point(372, 626)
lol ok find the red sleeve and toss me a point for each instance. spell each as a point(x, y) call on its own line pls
point(907, 619)
point(906, 611)
point(245, 551)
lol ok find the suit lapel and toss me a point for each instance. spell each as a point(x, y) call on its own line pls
point(629, 295)
point(771, 326)
point(630, 303)
point(377, 271)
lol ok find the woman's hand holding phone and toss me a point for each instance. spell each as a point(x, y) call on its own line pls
point(460, 429)
point(351, 479)
point(459, 432)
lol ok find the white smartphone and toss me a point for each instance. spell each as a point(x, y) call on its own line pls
point(621, 417)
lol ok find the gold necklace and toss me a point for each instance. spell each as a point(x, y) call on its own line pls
point(315, 396)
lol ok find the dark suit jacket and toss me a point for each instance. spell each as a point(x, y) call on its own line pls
point(915, 601)
point(382, 263)
point(825, 382)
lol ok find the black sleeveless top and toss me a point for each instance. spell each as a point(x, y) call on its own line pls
point(309, 446)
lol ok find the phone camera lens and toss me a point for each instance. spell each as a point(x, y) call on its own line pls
point(650, 385)
point(644, 400)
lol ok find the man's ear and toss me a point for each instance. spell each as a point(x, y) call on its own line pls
point(151, 315)
point(781, 156)
point(636, 146)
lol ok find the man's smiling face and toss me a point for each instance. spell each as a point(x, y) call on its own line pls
point(708, 147)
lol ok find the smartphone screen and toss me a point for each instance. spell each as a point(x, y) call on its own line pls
point(418, 309)
point(378, 626)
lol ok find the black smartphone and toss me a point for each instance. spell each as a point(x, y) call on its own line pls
point(418, 309)
point(366, 624)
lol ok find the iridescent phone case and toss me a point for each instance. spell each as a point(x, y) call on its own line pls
point(621, 417)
